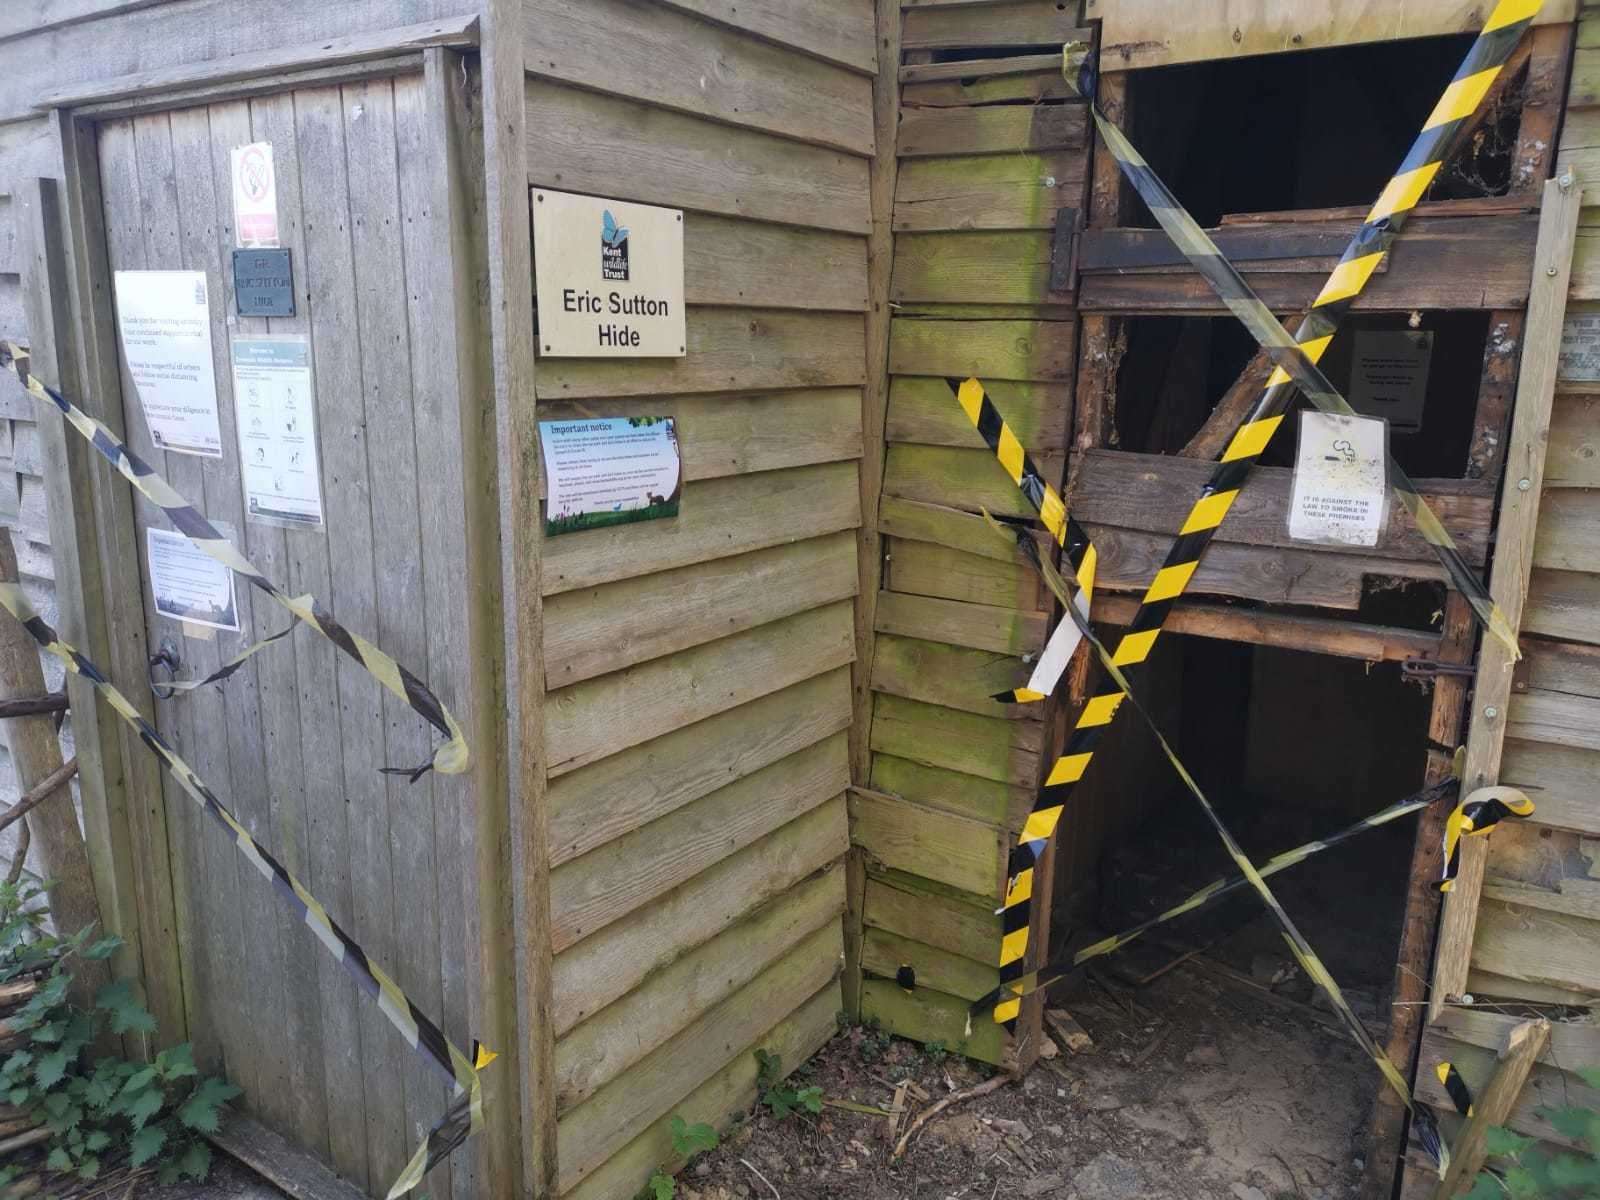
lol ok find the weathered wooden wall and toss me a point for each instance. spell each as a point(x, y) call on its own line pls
point(294, 742)
point(989, 152)
point(698, 696)
point(1537, 937)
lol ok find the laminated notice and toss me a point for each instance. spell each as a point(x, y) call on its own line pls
point(1340, 480)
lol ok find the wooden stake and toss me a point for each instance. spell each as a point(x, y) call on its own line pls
point(1526, 1042)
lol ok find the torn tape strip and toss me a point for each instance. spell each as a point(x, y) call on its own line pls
point(1042, 977)
point(464, 1116)
point(1505, 27)
point(1295, 357)
point(1460, 1093)
point(1069, 535)
point(1293, 938)
point(1475, 816)
point(451, 758)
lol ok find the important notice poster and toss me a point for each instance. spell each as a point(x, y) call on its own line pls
point(609, 471)
point(188, 584)
point(165, 322)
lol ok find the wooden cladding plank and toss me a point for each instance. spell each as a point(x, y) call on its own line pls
point(1521, 942)
point(996, 129)
point(1154, 492)
point(9, 262)
point(1151, 33)
point(969, 479)
point(1559, 667)
point(988, 747)
point(1568, 537)
point(924, 569)
point(726, 1095)
point(717, 518)
point(944, 526)
point(617, 795)
point(984, 800)
point(603, 968)
point(1004, 630)
point(722, 435)
point(941, 846)
point(1129, 560)
point(1564, 778)
point(604, 1123)
point(991, 191)
point(884, 954)
point(987, 267)
point(1563, 604)
point(617, 1037)
point(1041, 350)
point(651, 52)
point(749, 264)
point(840, 31)
point(1010, 23)
point(583, 141)
point(1573, 456)
point(1029, 87)
point(1442, 262)
point(589, 721)
point(971, 930)
point(614, 880)
point(728, 350)
point(929, 1016)
point(1548, 1087)
point(593, 631)
point(1555, 718)
point(949, 676)
point(925, 411)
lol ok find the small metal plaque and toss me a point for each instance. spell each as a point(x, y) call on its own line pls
point(263, 283)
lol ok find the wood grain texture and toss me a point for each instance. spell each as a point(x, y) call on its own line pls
point(1568, 537)
point(955, 268)
point(716, 518)
point(609, 1043)
point(884, 954)
point(961, 927)
point(982, 746)
point(949, 849)
point(923, 569)
point(603, 968)
point(593, 631)
point(998, 804)
point(589, 721)
point(942, 525)
point(992, 191)
point(1564, 776)
point(987, 349)
point(585, 142)
point(925, 411)
point(614, 880)
point(994, 129)
point(728, 350)
point(1010, 23)
point(930, 1016)
point(727, 1093)
point(664, 57)
point(949, 676)
point(604, 1123)
point(969, 479)
point(1564, 604)
point(1004, 630)
point(838, 31)
point(616, 795)
point(1573, 459)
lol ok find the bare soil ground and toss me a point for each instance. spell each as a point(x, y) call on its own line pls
point(1196, 1088)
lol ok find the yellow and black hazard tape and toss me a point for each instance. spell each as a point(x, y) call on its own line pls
point(1052, 510)
point(1423, 1119)
point(1295, 360)
point(464, 1116)
point(1460, 1093)
point(1057, 969)
point(1475, 816)
point(451, 758)
point(1295, 357)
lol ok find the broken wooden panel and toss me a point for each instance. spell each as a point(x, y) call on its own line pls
point(942, 525)
point(970, 479)
point(999, 128)
point(928, 569)
point(925, 411)
point(991, 191)
point(1155, 493)
point(1441, 263)
point(949, 676)
point(983, 86)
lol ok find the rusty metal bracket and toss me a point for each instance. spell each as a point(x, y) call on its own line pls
point(1429, 668)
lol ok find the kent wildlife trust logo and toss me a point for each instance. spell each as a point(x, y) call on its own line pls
point(613, 248)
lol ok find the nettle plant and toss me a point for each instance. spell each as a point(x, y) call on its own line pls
point(100, 1111)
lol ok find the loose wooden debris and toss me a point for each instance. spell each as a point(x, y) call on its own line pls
point(1073, 1037)
point(927, 1114)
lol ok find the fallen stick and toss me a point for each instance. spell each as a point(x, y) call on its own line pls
point(761, 1177)
point(927, 1114)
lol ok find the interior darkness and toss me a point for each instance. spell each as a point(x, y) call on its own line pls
point(1290, 746)
point(1318, 129)
point(1177, 368)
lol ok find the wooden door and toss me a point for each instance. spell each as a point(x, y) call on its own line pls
point(294, 742)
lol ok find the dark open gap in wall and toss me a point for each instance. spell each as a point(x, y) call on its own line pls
point(1317, 129)
point(1290, 747)
point(1176, 369)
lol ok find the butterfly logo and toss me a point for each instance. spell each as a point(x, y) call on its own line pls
point(612, 233)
